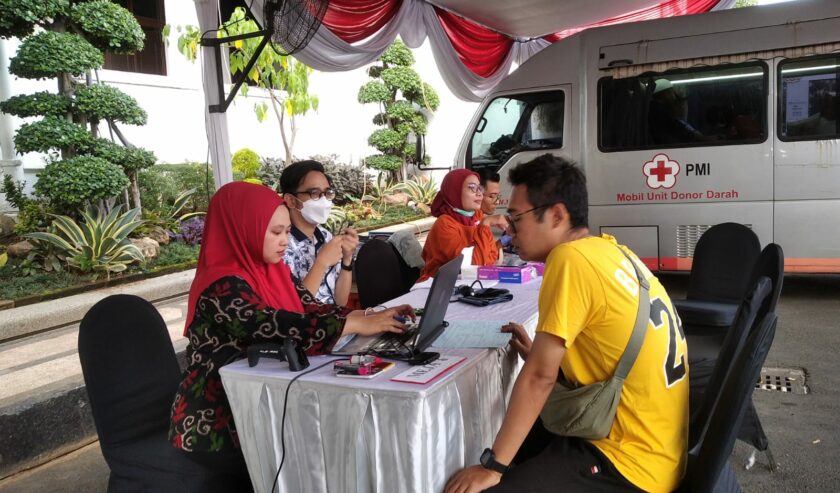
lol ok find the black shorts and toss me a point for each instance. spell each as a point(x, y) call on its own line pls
point(565, 464)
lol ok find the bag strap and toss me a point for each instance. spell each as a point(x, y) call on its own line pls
point(640, 329)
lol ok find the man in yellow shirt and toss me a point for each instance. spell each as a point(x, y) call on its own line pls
point(587, 309)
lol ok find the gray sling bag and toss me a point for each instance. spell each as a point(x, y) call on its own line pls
point(588, 411)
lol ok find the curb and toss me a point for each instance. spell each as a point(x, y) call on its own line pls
point(38, 317)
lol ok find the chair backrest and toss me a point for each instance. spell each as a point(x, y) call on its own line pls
point(723, 261)
point(130, 368)
point(746, 322)
point(771, 264)
point(726, 418)
point(381, 273)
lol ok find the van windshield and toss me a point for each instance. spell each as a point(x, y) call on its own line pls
point(517, 123)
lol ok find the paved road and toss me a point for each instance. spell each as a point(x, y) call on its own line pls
point(803, 435)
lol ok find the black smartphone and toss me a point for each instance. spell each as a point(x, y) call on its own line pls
point(423, 358)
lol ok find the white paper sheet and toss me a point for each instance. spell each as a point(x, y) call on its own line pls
point(473, 334)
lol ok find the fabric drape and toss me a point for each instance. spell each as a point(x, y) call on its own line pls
point(215, 123)
point(668, 8)
point(355, 20)
point(234, 233)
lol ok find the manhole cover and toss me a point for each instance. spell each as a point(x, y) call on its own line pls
point(789, 380)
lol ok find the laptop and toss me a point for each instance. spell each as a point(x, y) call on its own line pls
point(420, 336)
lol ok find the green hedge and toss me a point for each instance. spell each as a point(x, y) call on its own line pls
point(49, 53)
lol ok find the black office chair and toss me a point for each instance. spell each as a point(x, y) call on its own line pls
point(381, 273)
point(720, 276)
point(131, 374)
point(708, 466)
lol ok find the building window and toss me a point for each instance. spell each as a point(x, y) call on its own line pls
point(707, 106)
point(809, 102)
point(152, 58)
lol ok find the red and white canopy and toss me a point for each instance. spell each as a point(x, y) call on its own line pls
point(474, 42)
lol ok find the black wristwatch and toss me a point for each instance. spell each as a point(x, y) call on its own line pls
point(488, 461)
point(347, 267)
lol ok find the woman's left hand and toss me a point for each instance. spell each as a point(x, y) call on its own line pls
point(388, 320)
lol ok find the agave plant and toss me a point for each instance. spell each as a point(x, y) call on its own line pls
point(170, 218)
point(382, 189)
point(420, 189)
point(99, 244)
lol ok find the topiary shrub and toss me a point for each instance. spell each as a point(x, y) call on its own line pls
point(108, 26)
point(102, 102)
point(51, 133)
point(246, 162)
point(74, 182)
point(127, 158)
point(19, 17)
point(37, 104)
point(405, 98)
point(43, 55)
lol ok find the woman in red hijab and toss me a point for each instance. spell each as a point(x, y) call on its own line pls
point(460, 224)
point(243, 294)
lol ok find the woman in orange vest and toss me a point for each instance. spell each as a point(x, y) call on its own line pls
point(460, 224)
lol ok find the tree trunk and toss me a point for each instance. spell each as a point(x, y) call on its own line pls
point(135, 190)
point(281, 114)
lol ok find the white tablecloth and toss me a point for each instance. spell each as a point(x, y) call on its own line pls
point(351, 435)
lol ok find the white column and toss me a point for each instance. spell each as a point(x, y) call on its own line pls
point(8, 164)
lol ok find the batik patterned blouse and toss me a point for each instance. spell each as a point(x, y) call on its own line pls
point(230, 316)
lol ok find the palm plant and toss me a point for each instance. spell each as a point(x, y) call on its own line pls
point(99, 244)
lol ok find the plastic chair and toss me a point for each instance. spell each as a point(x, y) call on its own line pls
point(381, 273)
point(720, 276)
point(131, 374)
point(708, 466)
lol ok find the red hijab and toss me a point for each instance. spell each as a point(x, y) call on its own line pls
point(232, 245)
point(449, 196)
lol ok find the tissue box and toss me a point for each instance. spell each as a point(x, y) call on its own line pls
point(520, 274)
point(539, 266)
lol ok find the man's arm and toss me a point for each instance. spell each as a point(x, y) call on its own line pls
point(534, 384)
point(342, 287)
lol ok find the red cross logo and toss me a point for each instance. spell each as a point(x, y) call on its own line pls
point(661, 171)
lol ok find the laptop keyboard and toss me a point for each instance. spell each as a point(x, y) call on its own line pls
point(392, 341)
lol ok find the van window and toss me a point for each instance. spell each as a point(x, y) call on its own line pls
point(686, 108)
point(808, 105)
point(516, 123)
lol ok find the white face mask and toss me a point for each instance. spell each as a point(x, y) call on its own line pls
point(316, 211)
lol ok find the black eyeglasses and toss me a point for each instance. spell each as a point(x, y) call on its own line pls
point(316, 193)
point(513, 219)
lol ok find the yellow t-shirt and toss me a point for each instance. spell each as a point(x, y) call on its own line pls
point(589, 298)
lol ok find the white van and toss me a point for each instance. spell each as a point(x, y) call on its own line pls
point(684, 123)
